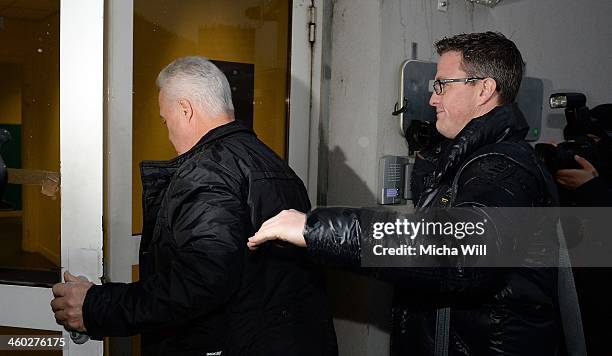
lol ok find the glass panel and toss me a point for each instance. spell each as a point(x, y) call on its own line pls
point(29, 112)
point(247, 39)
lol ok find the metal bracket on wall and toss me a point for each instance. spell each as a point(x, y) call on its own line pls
point(442, 5)
point(312, 24)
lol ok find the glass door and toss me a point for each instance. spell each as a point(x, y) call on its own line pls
point(51, 132)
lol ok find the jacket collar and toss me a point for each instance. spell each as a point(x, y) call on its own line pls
point(210, 137)
point(152, 171)
point(503, 123)
point(220, 132)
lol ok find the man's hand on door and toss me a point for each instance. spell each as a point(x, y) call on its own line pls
point(67, 303)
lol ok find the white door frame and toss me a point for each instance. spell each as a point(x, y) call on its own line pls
point(122, 248)
point(304, 99)
point(81, 115)
point(118, 185)
point(81, 140)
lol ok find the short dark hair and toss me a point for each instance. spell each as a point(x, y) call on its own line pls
point(488, 54)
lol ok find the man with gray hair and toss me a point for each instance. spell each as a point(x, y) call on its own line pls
point(201, 291)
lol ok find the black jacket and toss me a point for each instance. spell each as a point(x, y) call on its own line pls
point(201, 290)
point(494, 311)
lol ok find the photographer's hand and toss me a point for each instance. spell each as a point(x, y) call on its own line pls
point(574, 178)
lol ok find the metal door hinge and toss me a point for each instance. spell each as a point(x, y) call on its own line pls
point(312, 24)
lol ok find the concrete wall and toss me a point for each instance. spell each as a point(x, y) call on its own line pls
point(351, 76)
point(356, 71)
point(563, 42)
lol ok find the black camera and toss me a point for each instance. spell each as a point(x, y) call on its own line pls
point(561, 156)
point(584, 136)
point(421, 135)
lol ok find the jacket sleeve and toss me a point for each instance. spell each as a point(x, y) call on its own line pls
point(337, 236)
point(207, 222)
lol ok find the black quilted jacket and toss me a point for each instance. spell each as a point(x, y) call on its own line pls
point(494, 311)
point(201, 291)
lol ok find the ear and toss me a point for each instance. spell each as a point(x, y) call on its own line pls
point(186, 109)
point(487, 91)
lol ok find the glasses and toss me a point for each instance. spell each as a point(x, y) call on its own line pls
point(438, 84)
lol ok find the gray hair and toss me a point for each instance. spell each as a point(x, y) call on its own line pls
point(198, 79)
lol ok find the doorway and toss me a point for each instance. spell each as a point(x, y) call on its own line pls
point(261, 45)
point(247, 39)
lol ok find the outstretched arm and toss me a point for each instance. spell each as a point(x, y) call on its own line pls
point(336, 235)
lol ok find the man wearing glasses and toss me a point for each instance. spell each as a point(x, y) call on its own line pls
point(483, 162)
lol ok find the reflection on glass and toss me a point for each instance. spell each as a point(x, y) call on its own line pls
point(247, 39)
point(29, 112)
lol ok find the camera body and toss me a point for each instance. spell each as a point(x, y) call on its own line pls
point(421, 135)
point(561, 156)
point(583, 134)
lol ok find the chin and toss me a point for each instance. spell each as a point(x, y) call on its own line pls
point(441, 130)
point(446, 133)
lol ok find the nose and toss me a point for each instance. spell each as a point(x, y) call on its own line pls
point(434, 99)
